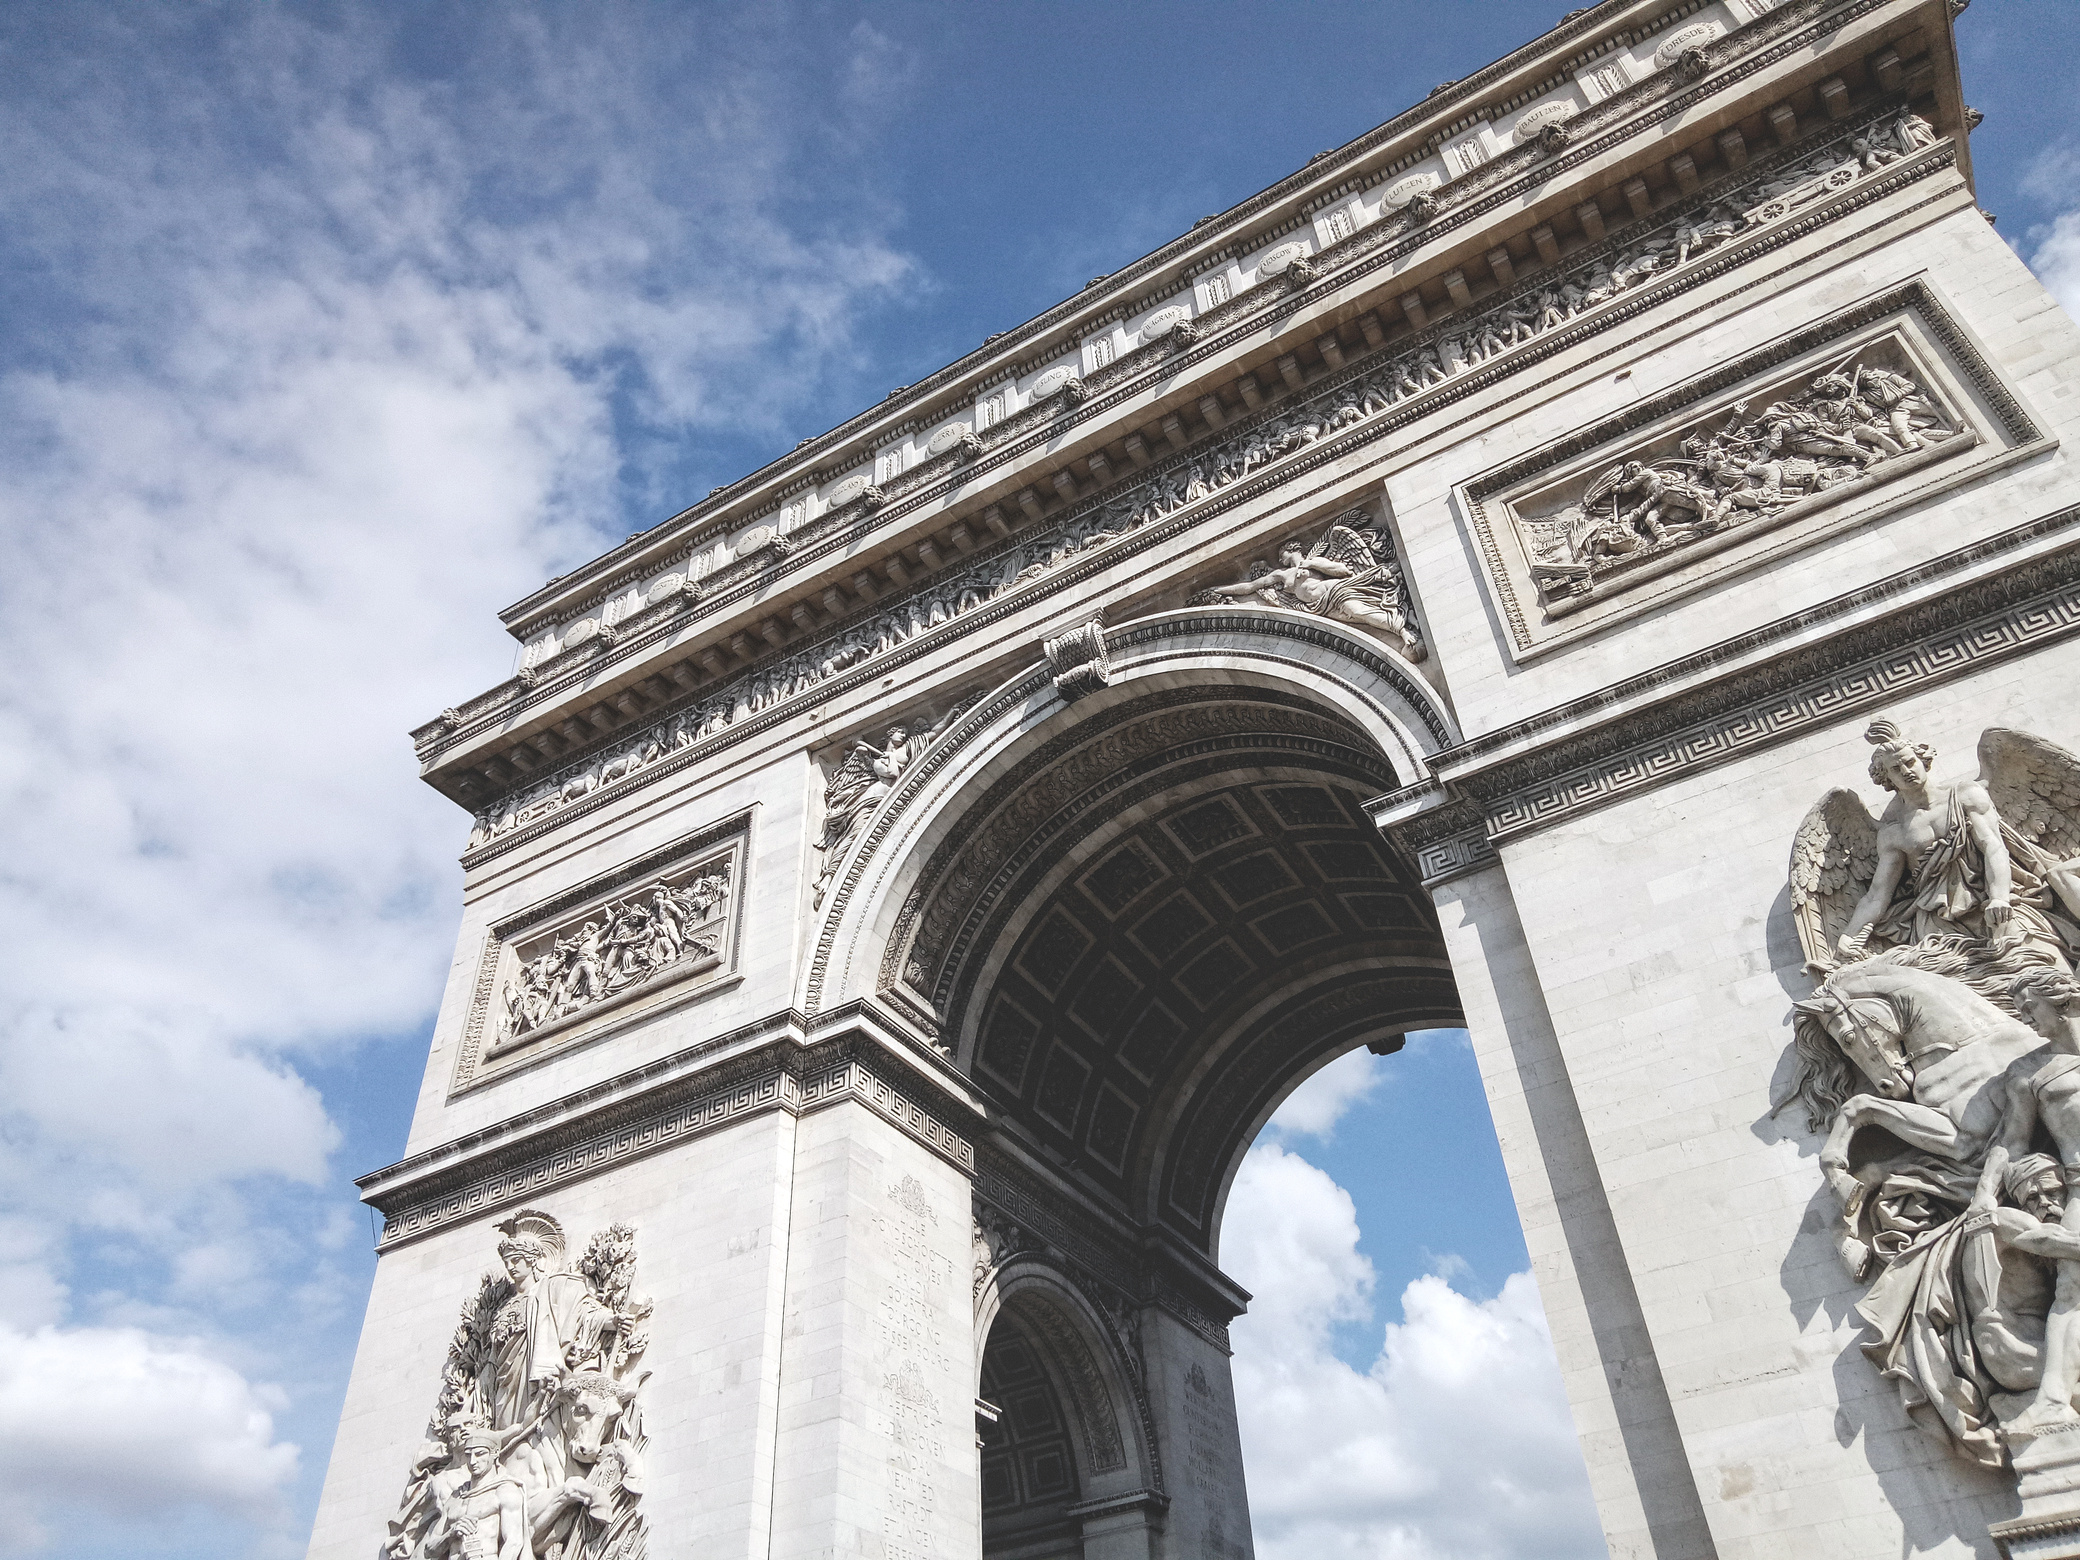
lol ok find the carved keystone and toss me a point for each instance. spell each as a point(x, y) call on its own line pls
point(1077, 660)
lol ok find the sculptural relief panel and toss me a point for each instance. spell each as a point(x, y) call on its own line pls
point(623, 945)
point(1940, 1054)
point(536, 1444)
point(1791, 443)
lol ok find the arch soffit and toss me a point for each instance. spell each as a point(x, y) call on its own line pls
point(1083, 1360)
point(1328, 665)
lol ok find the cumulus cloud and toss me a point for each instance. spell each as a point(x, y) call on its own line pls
point(1456, 1443)
point(317, 357)
point(1313, 1109)
point(124, 1425)
point(2054, 247)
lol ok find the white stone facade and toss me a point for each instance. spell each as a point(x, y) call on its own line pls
point(1068, 823)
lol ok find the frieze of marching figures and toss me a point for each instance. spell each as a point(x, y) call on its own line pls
point(1279, 434)
point(1940, 1057)
point(536, 1444)
point(1770, 459)
point(668, 927)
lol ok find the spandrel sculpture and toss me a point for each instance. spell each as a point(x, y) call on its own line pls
point(1350, 575)
point(1947, 1018)
point(535, 1446)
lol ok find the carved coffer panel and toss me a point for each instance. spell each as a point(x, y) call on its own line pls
point(622, 946)
point(1885, 405)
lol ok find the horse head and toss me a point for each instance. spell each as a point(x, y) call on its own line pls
point(1845, 1019)
point(1890, 1019)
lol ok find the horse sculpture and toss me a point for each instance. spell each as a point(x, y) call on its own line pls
point(1927, 1044)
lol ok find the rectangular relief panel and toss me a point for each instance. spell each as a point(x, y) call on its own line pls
point(622, 946)
point(1882, 406)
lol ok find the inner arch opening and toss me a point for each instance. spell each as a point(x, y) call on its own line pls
point(1143, 934)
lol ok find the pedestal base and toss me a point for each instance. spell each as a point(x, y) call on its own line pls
point(2047, 1472)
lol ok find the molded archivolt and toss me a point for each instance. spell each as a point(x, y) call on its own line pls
point(1139, 920)
point(1396, 714)
point(1091, 1381)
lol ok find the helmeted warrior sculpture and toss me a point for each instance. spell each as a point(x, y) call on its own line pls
point(535, 1446)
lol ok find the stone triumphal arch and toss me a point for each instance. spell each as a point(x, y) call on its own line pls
point(1491, 576)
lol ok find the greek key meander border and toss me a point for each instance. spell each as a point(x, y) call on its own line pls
point(731, 834)
point(1750, 42)
point(1916, 298)
point(1323, 452)
point(2025, 609)
point(798, 1080)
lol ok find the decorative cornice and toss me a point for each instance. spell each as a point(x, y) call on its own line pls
point(1327, 452)
point(787, 1073)
point(1496, 185)
point(1450, 106)
point(1743, 709)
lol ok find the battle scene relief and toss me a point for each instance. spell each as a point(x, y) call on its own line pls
point(1940, 1056)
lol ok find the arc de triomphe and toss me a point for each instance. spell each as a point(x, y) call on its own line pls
point(1492, 576)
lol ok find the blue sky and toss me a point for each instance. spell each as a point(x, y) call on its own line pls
point(328, 329)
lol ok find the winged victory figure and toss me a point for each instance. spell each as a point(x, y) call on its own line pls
point(1980, 870)
point(1939, 1054)
point(1348, 575)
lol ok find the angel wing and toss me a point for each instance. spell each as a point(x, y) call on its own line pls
point(1345, 546)
point(2035, 787)
point(1834, 855)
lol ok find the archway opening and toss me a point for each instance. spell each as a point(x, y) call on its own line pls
point(1138, 932)
point(1029, 1476)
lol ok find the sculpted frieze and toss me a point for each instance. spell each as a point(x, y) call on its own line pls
point(1940, 1055)
point(1284, 432)
point(1785, 449)
point(1827, 427)
point(631, 940)
point(668, 927)
point(536, 1443)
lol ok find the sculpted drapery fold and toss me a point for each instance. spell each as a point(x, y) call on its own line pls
point(1947, 1017)
point(535, 1445)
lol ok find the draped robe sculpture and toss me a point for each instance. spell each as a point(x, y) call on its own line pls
point(535, 1446)
point(1947, 1016)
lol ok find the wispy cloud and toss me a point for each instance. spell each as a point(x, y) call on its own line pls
point(329, 338)
point(2053, 248)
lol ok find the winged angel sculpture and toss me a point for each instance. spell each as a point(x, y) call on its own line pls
point(1349, 575)
point(535, 1447)
point(1947, 1017)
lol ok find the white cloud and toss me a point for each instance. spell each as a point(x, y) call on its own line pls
point(128, 1427)
point(329, 361)
point(1456, 1444)
point(2054, 254)
point(1313, 1109)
